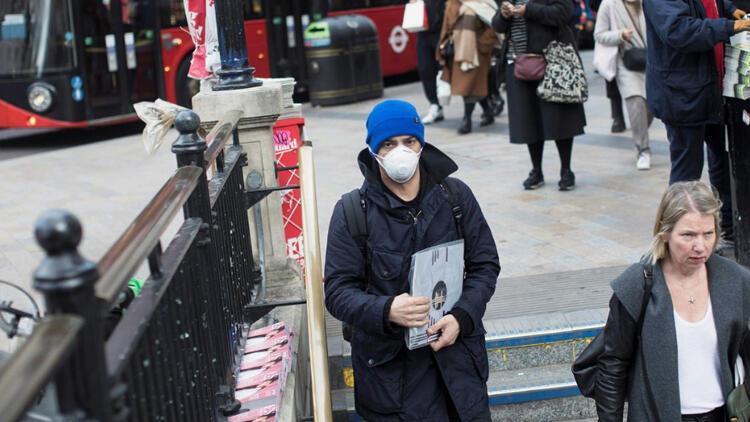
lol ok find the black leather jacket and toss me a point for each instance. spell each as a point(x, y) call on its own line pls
point(620, 349)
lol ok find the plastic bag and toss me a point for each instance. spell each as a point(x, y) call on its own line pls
point(158, 117)
point(443, 90)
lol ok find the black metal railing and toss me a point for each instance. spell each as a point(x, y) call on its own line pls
point(174, 352)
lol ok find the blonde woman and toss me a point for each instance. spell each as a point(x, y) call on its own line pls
point(621, 23)
point(693, 324)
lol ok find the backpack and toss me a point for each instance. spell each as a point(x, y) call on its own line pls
point(355, 210)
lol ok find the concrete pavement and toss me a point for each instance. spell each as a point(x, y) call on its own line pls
point(605, 221)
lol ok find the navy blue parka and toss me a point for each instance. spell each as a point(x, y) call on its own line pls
point(682, 81)
point(395, 232)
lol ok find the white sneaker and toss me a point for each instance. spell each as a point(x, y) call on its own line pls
point(644, 161)
point(435, 114)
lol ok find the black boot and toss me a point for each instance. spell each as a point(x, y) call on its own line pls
point(567, 180)
point(466, 122)
point(618, 120)
point(498, 106)
point(465, 126)
point(488, 117)
point(534, 181)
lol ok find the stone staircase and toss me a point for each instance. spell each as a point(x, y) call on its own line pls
point(529, 352)
point(529, 357)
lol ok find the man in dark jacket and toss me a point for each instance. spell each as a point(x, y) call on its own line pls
point(427, 64)
point(683, 85)
point(408, 208)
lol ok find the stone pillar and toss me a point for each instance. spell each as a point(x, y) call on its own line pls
point(261, 107)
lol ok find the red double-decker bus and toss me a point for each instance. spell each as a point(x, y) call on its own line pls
point(78, 63)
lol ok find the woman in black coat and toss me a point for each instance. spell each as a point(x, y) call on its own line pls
point(529, 26)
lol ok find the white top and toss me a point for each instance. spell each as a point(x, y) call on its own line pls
point(698, 364)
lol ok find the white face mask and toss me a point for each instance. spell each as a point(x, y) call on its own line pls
point(400, 163)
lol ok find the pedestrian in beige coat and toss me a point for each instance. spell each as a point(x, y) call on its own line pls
point(468, 69)
point(621, 23)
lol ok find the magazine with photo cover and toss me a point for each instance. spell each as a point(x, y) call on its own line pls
point(438, 273)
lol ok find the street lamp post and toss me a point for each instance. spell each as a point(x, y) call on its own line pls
point(236, 72)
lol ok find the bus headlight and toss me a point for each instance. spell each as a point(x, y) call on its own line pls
point(41, 96)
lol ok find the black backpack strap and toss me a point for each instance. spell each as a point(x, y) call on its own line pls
point(356, 220)
point(356, 223)
point(451, 188)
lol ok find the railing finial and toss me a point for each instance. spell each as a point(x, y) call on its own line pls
point(187, 123)
point(59, 233)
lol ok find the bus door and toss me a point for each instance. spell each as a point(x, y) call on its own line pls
point(286, 21)
point(120, 54)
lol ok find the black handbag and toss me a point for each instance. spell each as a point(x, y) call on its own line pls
point(449, 51)
point(586, 366)
point(635, 59)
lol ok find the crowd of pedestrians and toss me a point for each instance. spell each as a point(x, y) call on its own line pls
point(666, 348)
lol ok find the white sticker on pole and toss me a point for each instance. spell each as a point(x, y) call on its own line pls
point(745, 117)
point(130, 50)
point(109, 42)
point(291, 41)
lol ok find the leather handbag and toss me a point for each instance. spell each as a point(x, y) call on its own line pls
point(449, 51)
point(586, 366)
point(738, 402)
point(529, 67)
point(635, 59)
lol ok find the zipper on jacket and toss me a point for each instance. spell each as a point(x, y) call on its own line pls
point(414, 217)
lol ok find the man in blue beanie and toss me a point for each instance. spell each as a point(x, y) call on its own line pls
point(408, 203)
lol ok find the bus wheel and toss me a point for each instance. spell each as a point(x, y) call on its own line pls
point(185, 88)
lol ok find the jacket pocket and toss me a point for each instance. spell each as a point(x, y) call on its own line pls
point(378, 372)
point(688, 98)
point(386, 271)
point(478, 352)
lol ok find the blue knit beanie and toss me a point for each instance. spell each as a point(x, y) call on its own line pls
point(392, 118)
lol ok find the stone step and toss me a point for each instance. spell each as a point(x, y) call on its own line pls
point(546, 393)
point(512, 343)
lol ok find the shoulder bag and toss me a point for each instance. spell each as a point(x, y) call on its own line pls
point(586, 366)
point(529, 67)
point(564, 79)
point(634, 58)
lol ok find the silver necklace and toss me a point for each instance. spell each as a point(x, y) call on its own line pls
point(691, 298)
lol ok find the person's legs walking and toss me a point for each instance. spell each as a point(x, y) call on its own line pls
point(639, 122)
point(536, 177)
point(685, 152)
point(428, 68)
point(567, 178)
point(718, 174)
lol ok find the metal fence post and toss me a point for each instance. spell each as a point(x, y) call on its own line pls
point(236, 71)
point(190, 149)
point(67, 281)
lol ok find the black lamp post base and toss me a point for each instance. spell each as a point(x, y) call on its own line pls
point(236, 79)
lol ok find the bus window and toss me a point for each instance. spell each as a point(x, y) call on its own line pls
point(335, 5)
point(36, 38)
point(139, 24)
point(254, 9)
point(172, 13)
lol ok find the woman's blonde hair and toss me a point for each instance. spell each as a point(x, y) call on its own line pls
point(678, 200)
